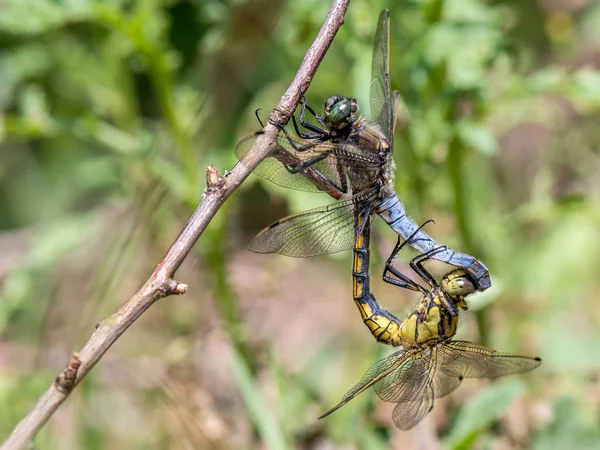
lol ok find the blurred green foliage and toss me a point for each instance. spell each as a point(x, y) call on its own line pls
point(109, 110)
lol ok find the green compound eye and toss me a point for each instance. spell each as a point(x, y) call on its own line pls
point(340, 112)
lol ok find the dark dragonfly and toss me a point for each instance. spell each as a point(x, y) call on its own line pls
point(354, 156)
point(430, 364)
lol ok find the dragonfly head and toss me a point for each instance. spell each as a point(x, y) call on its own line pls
point(458, 284)
point(339, 112)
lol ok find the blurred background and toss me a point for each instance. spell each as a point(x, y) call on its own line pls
point(109, 112)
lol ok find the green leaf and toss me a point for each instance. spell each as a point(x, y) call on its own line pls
point(482, 411)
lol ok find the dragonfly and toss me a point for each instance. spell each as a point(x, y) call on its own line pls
point(430, 364)
point(354, 156)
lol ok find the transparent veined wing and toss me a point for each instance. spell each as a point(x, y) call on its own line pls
point(414, 378)
point(394, 365)
point(405, 378)
point(331, 162)
point(407, 414)
point(406, 384)
point(396, 101)
point(445, 384)
point(380, 96)
point(416, 393)
point(318, 231)
point(469, 360)
point(411, 391)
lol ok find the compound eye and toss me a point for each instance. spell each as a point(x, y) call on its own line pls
point(459, 286)
point(340, 112)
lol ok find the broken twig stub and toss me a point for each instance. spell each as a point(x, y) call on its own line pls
point(65, 381)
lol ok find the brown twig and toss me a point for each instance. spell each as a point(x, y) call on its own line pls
point(161, 284)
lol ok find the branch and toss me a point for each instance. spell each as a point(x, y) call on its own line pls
point(161, 283)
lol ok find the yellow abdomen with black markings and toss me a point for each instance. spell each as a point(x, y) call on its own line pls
point(384, 326)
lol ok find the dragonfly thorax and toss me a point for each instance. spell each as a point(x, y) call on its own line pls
point(368, 136)
point(428, 323)
point(431, 321)
point(339, 113)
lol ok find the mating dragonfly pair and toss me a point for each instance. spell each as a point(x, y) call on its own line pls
point(353, 157)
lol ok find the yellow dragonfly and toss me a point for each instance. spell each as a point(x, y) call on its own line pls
point(430, 364)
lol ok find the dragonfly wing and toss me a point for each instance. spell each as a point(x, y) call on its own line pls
point(406, 383)
point(389, 366)
point(469, 360)
point(273, 169)
point(407, 414)
point(396, 101)
point(327, 160)
point(319, 231)
point(380, 96)
point(445, 384)
point(412, 388)
point(410, 384)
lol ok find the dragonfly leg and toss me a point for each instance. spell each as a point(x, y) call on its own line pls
point(296, 147)
point(304, 164)
point(410, 238)
point(417, 264)
point(403, 281)
point(321, 135)
point(365, 217)
point(449, 305)
point(304, 106)
point(262, 125)
point(342, 171)
point(293, 169)
point(310, 162)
